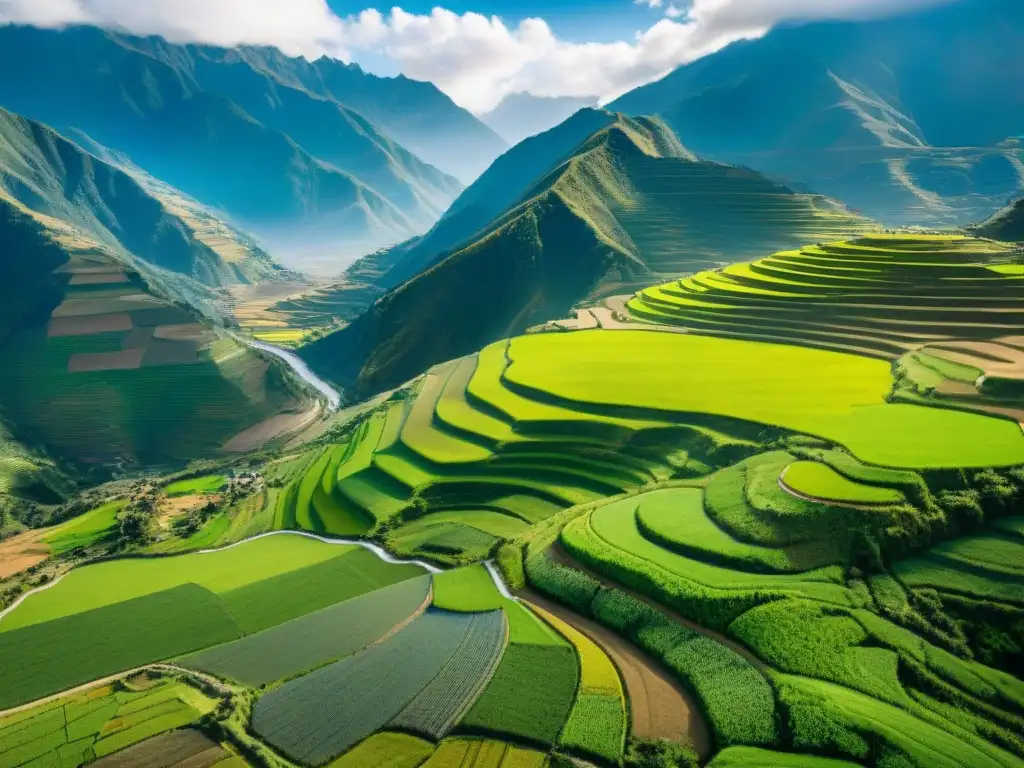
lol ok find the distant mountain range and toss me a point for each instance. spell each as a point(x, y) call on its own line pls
point(601, 204)
point(261, 137)
point(910, 119)
point(521, 115)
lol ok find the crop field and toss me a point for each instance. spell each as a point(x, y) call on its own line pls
point(446, 698)
point(99, 721)
point(359, 695)
point(466, 589)
point(753, 757)
point(85, 531)
point(479, 753)
point(183, 748)
point(386, 750)
point(116, 581)
point(315, 639)
point(99, 384)
point(819, 481)
point(530, 696)
point(112, 616)
point(205, 484)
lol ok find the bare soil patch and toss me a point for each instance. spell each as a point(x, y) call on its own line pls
point(79, 307)
point(170, 509)
point(137, 338)
point(126, 359)
point(22, 551)
point(86, 326)
point(276, 426)
point(181, 332)
point(660, 707)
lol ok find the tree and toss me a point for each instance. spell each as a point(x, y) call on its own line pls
point(659, 754)
point(137, 526)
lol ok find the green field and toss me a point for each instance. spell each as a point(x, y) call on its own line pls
point(386, 750)
point(204, 484)
point(314, 639)
point(92, 528)
point(820, 481)
point(85, 726)
point(466, 589)
point(385, 679)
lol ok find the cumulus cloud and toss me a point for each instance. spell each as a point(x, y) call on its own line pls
point(475, 59)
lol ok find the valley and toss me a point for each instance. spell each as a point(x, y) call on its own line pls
point(687, 432)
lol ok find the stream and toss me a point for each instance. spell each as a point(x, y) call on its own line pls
point(298, 365)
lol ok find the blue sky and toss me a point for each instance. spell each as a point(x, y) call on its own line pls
point(599, 21)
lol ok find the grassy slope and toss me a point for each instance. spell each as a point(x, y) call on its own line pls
point(620, 211)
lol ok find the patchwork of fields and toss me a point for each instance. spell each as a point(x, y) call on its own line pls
point(785, 506)
point(120, 374)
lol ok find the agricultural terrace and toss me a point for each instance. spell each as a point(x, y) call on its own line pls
point(119, 372)
point(100, 721)
point(832, 644)
point(105, 618)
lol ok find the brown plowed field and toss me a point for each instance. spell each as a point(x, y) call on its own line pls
point(22, 551)
point(181, 332)
point(260, 434)
point(659, 706)
point(98, 278)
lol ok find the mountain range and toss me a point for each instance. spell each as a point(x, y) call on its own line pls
point(900, 118)
point(254, 134)
point(620, 204)
point(1007, 224)
point(521, 115)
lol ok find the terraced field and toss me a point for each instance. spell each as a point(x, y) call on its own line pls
point(118, 373)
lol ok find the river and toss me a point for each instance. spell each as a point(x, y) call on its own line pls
point(298, 365)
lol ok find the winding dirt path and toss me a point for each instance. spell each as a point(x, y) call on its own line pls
point(659, 706)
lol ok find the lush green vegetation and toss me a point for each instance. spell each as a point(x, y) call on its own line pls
point(387, 750)
point(470, 588)
point(97, 526)
point(315, 639)
point(85, 726)
point(480, 753)
point(819, 481)
point(385, 679)
point(204, 484)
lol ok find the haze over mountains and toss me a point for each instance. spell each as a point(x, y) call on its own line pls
point(623, 205)
point(521, 115)
point(912, 120)
point(264, 138)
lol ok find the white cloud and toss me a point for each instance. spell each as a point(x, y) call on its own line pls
point(476, 59)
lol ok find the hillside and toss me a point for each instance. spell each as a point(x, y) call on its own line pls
point(302, 171)
point(45, 173)
point(521, 115)
point(1006, 225)
point(106, 361)
point(901, 118)
point(629, 205)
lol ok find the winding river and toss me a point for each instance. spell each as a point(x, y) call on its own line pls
point(298, 365)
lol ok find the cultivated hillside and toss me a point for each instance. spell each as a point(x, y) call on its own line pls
point(301, 170)
point(50, 176)
point(901, 118)
point(1007, 224)
point(521, 115)
point(629, 205)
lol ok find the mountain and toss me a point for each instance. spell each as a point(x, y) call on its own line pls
point(1006, 225)
point(106, 359)
point(901, 118)
point(53, 177)
point(521, 115)
point(302, 171)
point(627, 207)
point(415, 113)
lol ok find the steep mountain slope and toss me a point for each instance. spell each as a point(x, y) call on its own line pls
point(909, 119)
point(498, 188)
point(105, 358)
point(1006, 225)
point(629, 205)
point(416, 114)
point(300, 170)
point(50, 175)
point(521, 115)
